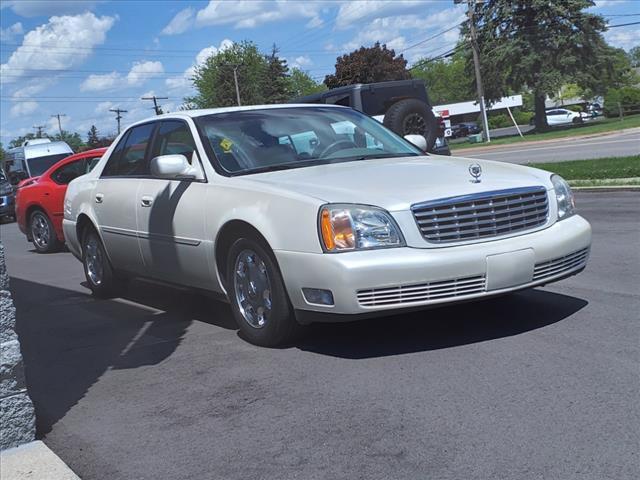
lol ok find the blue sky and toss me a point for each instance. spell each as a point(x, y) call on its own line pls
point(81, 58)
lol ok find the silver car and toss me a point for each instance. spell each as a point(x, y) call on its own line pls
point(304, 213)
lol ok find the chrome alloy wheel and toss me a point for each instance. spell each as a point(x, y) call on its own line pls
point(40, 231)
point(252, 288)
point(93, 260)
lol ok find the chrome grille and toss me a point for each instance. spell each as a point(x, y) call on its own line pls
point(482, 215)
point(560, 265)
point(404, 294)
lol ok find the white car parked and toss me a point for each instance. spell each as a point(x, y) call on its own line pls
point(303, 213)
point(561, 116)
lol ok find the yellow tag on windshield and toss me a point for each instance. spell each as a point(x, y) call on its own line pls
point(226, 145)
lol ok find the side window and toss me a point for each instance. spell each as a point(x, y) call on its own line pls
point(174, 137)
point(91, 162)
point(68, 172)
point(128, 159)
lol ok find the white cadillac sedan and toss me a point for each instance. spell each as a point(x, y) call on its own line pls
point(304, 213)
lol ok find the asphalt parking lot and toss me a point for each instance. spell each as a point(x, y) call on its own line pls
point(539, 384)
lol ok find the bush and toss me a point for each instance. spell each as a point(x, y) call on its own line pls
point(499, 120)
point(627, 97)
point(522, 118)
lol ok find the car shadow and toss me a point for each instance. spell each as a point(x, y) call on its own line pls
point(444, 327)
point(69, 339)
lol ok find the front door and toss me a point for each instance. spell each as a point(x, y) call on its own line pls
point(171, 216)
point(115, 198)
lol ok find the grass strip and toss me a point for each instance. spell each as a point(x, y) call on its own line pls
point(598, 126)
point(607, 168)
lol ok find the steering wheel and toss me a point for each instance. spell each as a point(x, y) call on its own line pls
point(335, 146)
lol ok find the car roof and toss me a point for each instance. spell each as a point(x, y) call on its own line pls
point(213, 111)
point(74, 157)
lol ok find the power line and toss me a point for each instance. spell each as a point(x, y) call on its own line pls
point(623, 25)
point(118, 111)
point(58, 115)
point(39, 129)
point(155, 99)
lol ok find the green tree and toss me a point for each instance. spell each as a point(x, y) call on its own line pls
point(17, 142)
point(275, 87)
point(634, 57)
point(72, 139)
point(301, 84)
point(368, 65)
point(92, 137)
point(540, 45)
point(2, 155)
point(445, 79)
point(215, 83)
point(626, 99)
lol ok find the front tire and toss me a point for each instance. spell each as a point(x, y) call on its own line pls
point(257, 295)
point(97, 268)
point(42, 233)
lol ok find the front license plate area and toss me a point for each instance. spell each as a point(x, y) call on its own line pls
point(511, 269)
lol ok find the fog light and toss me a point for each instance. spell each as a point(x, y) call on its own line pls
point(318, 296)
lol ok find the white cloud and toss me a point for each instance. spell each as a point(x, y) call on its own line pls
point(180, 23)
point(183, 84)
point(140, 72)
point(23, 108)
point(393, 30)
point(35, 8)
point(100, 82)
point(301, 62)
point(143, 71)
point(51, 46)
point(626, 38)
point(359, 10)
point(251, 13)
point(8, 34)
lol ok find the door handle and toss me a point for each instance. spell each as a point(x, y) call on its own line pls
point(146, 201)
point(99, 197)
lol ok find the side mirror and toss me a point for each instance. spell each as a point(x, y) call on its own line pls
point(417, 140)
point(172, 167)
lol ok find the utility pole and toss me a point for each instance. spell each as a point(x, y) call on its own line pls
point(118, 111)
point(235, 79)
point(155, 99)
point(58, 115)
point(39, 130)
point(471, 4)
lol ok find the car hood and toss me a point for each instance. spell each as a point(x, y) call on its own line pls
point(397, 183)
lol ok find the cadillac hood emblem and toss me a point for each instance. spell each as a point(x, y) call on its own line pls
point(475, 170)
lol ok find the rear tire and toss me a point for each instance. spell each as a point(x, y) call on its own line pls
point(257, 295)
point(43, 235)
point(412, 116)
point(97, 269)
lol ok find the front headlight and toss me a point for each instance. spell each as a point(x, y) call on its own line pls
point(564, 197)
point(357, 227)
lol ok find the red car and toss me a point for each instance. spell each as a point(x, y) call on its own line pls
point(40, 200)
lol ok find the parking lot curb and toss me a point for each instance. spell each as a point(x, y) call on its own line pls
point(34, 461)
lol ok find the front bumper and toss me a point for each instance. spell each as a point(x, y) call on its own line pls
point(7, 205)
point(405, 277)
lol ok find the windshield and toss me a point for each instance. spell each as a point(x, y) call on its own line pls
point(255, 141)
point(39, 165)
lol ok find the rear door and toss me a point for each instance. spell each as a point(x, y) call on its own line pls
point(171, 215)
point(115, 197)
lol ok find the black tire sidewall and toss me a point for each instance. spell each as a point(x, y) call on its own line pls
point(281, 326)
point(395, 115)
point(107, 287)
point(54, 243)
